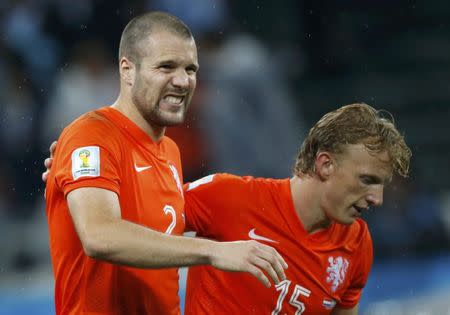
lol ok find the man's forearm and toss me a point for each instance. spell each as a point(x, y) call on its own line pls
point(105, 235)
point(122, 242)
point(126, 243)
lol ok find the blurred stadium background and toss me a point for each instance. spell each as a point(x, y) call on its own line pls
point(269, 69)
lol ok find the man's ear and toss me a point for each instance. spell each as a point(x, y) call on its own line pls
point(325, 165)
point(127, 71)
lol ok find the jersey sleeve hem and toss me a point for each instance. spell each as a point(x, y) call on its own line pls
point(91, 182)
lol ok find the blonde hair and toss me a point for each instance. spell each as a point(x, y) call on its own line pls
point(354, 124)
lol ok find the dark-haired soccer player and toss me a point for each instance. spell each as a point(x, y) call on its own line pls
point(115, 197)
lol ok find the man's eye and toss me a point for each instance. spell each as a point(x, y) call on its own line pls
point(366, 180)
point(191, 70)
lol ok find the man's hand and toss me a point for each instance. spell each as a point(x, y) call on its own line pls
point(249, 256)
point(48, 162)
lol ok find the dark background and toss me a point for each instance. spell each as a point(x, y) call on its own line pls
point(269, 70)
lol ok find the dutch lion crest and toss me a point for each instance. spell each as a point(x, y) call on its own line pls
point(336, 271)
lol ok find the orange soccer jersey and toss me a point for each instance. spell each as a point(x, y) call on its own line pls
point(326, 269)
point(105, 149)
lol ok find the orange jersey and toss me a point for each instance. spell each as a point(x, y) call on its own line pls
point(326, 269)
point(105, 149)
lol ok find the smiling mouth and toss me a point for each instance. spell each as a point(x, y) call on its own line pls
point(172, 103)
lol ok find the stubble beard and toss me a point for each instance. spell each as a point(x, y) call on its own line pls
point(152, 112)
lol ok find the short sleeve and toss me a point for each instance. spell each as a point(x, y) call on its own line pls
point(361, 273)
point(87, 155)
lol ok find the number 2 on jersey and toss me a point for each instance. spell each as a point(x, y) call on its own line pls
point(283, 287)
point(170, 210)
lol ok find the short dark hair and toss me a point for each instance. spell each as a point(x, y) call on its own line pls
point(354, 124)
point(140, 27)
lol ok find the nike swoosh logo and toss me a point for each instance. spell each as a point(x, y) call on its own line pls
point(141, 168)
point(255, 236)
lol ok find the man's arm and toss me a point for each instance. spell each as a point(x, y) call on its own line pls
point(104, 235)
point(348, 311)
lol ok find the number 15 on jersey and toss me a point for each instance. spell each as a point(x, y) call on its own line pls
point(283, 287)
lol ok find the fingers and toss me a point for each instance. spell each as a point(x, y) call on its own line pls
point(267, 267)
point(48, 163)
point(45, 176)
point(52, 149)
point(270, 261)
point(274, 252)
point(259, 275)
point(260, 260)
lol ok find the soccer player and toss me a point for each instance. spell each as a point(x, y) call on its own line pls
point(115, 197)
point(311, 219)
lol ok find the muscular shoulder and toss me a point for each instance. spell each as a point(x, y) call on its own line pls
point(212, 182)
point(231, 190)
point(90, 123)
point(232, 182)
point(90, 129)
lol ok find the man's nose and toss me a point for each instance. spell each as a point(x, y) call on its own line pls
point(181, 79)
point(375, 196)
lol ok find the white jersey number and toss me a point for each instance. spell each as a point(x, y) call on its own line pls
point(170, 210)
point(283, 287)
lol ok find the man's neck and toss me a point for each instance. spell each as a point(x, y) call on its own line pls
point(307, 195)
point(127, 108)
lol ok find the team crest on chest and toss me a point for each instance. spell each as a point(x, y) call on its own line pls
point(337, 271)
point(174, 171)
